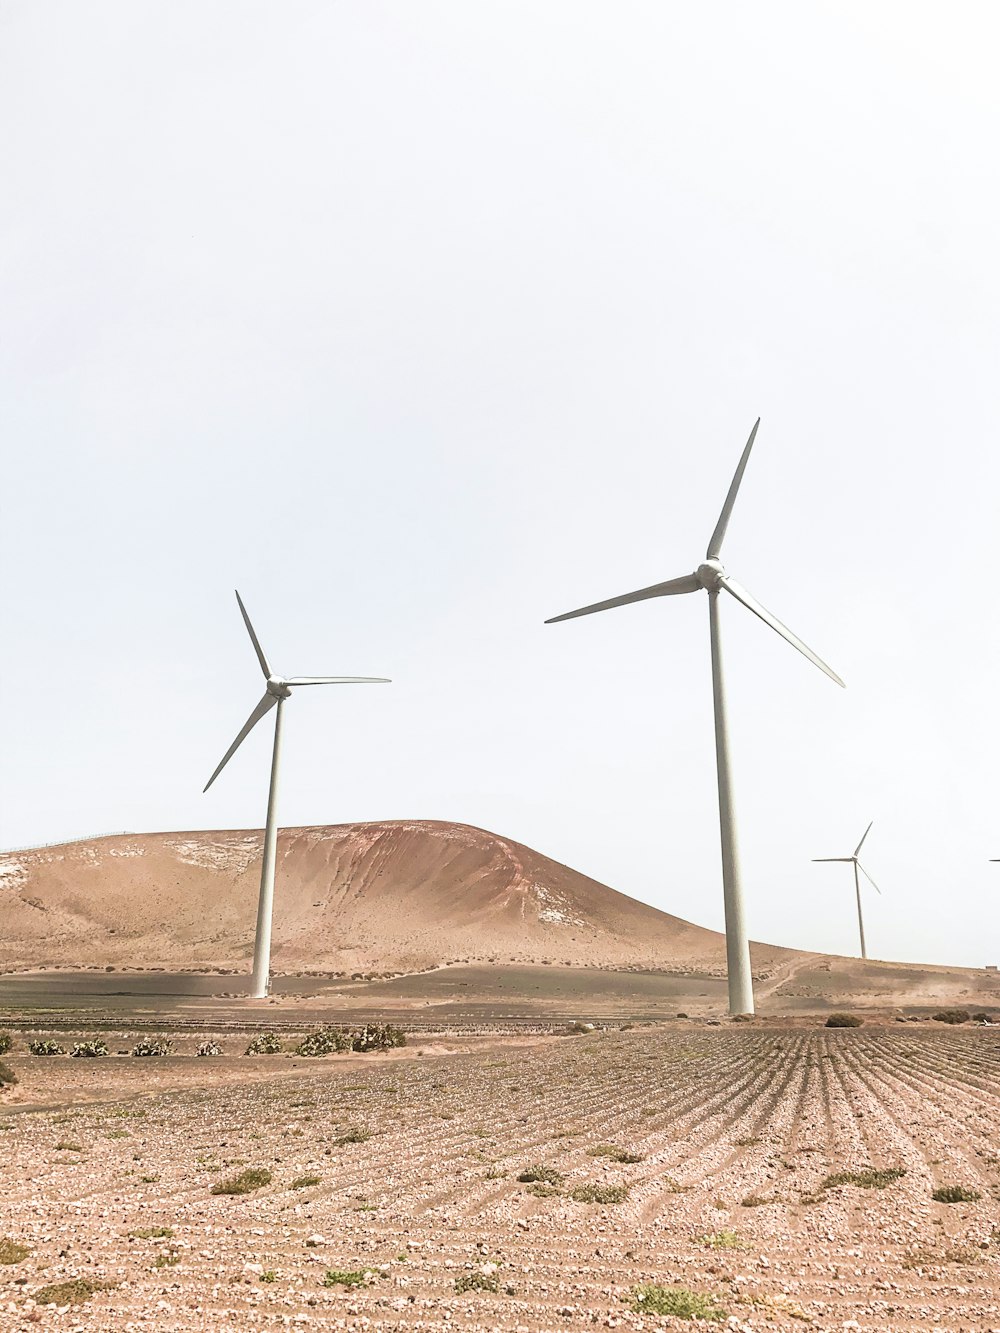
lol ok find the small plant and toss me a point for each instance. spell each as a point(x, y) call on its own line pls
point(353, 1135)
point(616, 1154)
point(651, 1298)
point(724, 1240)
point(89, 1049)
point(952, 1016)
point(600, 1193)
point(149, 1180)
point(755, 1201)
point(865, 1180)
point(844, 1021)
point(742, 1018)
point(7, 1076)
point(153, 1046)
point(45, 1047)
point(152, 1233)
point(12, 1252)
point(66, 1146)
point(477, 1282)
point(324, 1042)
point(209, 1048)
point(547, 1175)
point(269, 1275)
point(167, 1260)
point(254, 1178)
point(542, 1191)
point(266, 1044)
point(354, 1277)
point(6, 1042)
point(77, 1291)
point(955, 1194)
point(303, 1182)
point(377, 1037)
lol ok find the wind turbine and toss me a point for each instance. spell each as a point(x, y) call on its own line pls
point(853, 860)
point(712, 577)
point(277, 690)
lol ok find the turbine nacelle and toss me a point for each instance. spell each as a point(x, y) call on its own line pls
point(710, 574)
point(278, 687)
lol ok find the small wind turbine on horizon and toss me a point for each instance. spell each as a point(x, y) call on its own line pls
point(853, 860)
point(712, 577)
point(276, 691)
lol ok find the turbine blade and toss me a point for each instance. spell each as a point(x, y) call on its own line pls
point(672, 587)
point(265, 705)
point(751, 603)
point(817, 859)
point(868, 830)
point(256, 642)
point(869, 878)
point(339, 680)
point(719, 535)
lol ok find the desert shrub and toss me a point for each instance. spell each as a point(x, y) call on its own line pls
point(209, 1048)
point(724, 1240)
point(303, 1182)
point(353, 1277)
point(7, 1076)
point(153, 1046)
point(90, 1049)
point(477, 1282)
point(955, 1194)
point(600, 1193)
point(844, 1021)
point(651, 1298)
point(951, 1016)
point(266, 1044)
point(869, 1179)
point(742, 1018)
point(543, 1191)
point(545, 1175)
point(45, 1047)
point(352, 1135)
point(981, 1018)
point(6, 1042)
point(269, 1275)
point(254, 1178)
point(167, 1260)
point(12, 1252)
point(755, 1201)
point(75, 1292)
point(616, 1154)
point(324, 1042)
point(377, 1037)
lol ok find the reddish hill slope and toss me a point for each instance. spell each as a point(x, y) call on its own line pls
point(393, 896)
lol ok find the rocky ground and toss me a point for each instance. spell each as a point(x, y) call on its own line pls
point(688, 1167)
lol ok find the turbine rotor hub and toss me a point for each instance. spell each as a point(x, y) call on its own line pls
point(709, 574)
point(278, 686)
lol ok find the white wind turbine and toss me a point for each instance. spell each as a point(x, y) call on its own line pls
point(853, 860)
point(277, 690)
point(712, 577)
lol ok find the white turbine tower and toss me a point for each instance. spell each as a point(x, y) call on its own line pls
point(277, 690)
point(712, 577)
point(853, 860)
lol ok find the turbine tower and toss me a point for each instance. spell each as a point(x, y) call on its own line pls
point(712, 577)
point(276, 691)
point(853, 860)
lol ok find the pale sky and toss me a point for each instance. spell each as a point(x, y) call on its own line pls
point(421, 322)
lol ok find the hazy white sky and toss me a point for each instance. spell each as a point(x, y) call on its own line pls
point(420, 323)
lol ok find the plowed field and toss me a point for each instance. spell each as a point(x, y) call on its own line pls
point(722, 1146)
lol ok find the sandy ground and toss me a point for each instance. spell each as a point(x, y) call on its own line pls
point(415, 1158)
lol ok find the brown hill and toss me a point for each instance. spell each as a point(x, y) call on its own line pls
point(385, 897)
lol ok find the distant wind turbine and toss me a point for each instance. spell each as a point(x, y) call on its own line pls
point(853, 860)
point(711, 576)
point(277, 690)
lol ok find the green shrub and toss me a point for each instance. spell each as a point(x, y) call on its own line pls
point(303, 1182)
point(869, 1179)
point(152, 1233)
point(254, 1178)
point(324, 1042)
point(45, 1047)
point(955, 1194)
point(653, 1299)
point(7, 1076)
point(153, 1046)
point(477, 1282)
point(844, 1021)
point(377, 1037)
point(952, 1016)
point(353, 1135)
point(546, 1175)
point(12, 1252)
point(266, 1044)
point(354, 1277)
point(616, 1154)
point(77, 1291)
point(209, 1048)
point(600, 1193)
point(724, 1240)
point(6, 1042)
point(90, 1049)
